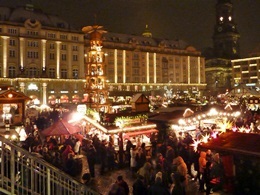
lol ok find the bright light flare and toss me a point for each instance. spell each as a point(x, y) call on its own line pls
point(13, 137)
point(195, 144)
point(214, 135)
point(205, 138)
point(182, 122)
point(234, 129)
point(75, 117)
point(213, 112)
point(236, 114)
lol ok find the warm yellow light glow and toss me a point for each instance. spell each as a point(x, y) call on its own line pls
point(182, 122)
point(10, 95)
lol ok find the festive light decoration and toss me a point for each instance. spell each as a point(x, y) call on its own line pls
point(205, 138)
point(224, 126)
point(195, 144)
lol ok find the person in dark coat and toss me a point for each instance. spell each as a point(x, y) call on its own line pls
point(158, 188)
point(90, 183)
point(70, 165)
point(103, 156)
point(110, 156)
point(139, 187)
point(129, 145)
point(207, 177)
point(120, 187)
point(121, 182)
point(178, 188)
point(91, 158)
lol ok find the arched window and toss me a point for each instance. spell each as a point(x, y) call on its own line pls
point(32, 72)
point(11, 72)
point(63, 73)
point(52, 72)
point(75, 73)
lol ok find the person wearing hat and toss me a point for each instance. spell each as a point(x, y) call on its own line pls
point(157, 187)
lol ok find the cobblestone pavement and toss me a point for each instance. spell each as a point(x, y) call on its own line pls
point(102, 183)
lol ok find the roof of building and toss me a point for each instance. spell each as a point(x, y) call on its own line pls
point(29, 16)
point(146, 41)
point(137, 96)
point(235, 143)
point(23, 13)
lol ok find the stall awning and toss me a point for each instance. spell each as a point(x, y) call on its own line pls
point(235, 143)
point(144, 132)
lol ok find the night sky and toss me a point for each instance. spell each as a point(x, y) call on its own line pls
point(190, 20)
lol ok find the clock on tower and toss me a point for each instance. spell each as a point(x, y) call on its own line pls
point(225, 31)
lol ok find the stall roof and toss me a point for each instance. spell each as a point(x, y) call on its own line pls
point(144, 132)
point(235, 143)
point(12, 96)
point(61, 127)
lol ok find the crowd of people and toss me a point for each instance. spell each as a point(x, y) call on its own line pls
point(171, 167)
point(166, 169)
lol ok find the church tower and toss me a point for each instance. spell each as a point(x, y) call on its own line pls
point(226, 36)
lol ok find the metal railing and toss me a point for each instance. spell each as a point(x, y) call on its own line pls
point(23, 173)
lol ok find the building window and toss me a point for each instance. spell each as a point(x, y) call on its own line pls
point(52, 56)
point(33, 44)
point(136, 64)
point(11, 72)
point(75, 73)
point(63, 73)
point(63, 57)
point(33, 54)
point(74, 38)
point(75, 57)
point(12, 31)
point(52, 46)
point(52, 72)
point(63, 47)
point(32, 72)
point(32, 33)
point(74, 48)
point(12, 42)
point(51, 35)
point(11, 53)
point(136, 56)
point(64, 37)
point(135, 71)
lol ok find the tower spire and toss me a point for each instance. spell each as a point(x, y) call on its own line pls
point(226, 36)
point(147, 32)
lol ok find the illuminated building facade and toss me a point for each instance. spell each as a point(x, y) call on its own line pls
point(150, 65)
point(246, 71)
point(41, 56)
point(44, 57)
